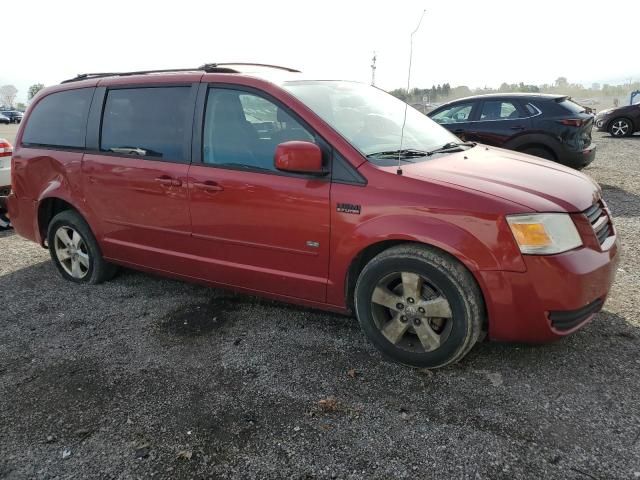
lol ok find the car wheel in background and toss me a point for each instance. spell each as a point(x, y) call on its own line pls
point(5, 224)
point(620, 127)
point(540, 152)
point(419, 306)
point(74, 250)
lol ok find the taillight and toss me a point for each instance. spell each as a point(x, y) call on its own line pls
point(572, 122)
point(6, 150)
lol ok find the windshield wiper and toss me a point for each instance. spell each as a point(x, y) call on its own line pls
point(450, 147)
point(404, 153)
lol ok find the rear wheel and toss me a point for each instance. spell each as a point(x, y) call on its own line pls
point(419, 306)
point(74, 250)
point(540, 152)
point(620, 127)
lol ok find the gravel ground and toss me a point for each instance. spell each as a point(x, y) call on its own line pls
point(147, 377)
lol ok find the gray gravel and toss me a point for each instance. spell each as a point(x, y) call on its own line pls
point(145, 377)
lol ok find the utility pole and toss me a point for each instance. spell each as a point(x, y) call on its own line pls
point(373, 69)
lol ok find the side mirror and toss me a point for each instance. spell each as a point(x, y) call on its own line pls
point(299, 157)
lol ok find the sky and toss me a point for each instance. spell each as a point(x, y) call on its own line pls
point(462, 42)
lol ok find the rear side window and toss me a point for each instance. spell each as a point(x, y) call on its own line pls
point(59, 119)
point(498, 110)
point(571, 107)
point(146, 122)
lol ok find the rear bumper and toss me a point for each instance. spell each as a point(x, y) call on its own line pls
point(23, 216)
point(578, 159)
point(556, 296)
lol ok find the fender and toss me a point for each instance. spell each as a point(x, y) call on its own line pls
point(482, 251)
point(532, 139)
point(58, 188)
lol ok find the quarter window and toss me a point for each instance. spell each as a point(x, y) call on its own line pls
point(59, 119)
point(242, 129)
point(146, 121)
point(498, 110)
point(455, 114)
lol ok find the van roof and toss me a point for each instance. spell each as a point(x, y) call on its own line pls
point(206, 68)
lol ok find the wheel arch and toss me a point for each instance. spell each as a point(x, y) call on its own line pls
point(535, 140)
point(49, 207)
point(371, 251)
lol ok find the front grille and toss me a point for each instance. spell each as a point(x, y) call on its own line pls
point(599, 220)
point(568, 319)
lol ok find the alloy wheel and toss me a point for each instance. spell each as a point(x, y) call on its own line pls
point(619, 128)
point(411, 312)
point(72, 252)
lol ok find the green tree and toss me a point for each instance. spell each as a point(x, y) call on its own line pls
point(34, 89)
point(21, 106)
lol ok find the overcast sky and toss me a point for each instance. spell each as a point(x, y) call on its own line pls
point(463, 42)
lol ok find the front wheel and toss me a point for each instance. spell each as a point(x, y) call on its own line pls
point(620, 127)
point(75, 251)
point(419, 306)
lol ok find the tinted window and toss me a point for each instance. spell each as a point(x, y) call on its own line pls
point(59, 119)
point(243, 129)
point(498, 110)
point(572, 107)
point(146, 121)
point(455, 114)
point(531, 109)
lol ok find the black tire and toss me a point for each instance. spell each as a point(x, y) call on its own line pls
point(96, 270)
point(540, 152)
point(5, 224)
point(620, 127)
point(443, 274)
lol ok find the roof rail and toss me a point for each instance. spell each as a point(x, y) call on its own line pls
point(244, 64)
point(207, 68)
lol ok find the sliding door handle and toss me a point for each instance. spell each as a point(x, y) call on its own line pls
point(208, 186)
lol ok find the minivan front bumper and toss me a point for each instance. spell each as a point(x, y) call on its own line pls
point(557, 295)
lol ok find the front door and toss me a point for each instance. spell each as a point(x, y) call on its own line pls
point(253, 226)
point(136, 185)
point(457, 119)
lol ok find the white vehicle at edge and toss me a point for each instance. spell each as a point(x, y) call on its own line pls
point(6, 150)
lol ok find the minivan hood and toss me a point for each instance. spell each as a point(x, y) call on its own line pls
point(538, 184)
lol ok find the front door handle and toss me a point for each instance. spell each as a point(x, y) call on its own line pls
point(517, 127)
point(208, 186)
point(458, 130)
point(167, 181)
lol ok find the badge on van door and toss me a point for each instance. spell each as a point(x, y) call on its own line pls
point(348, 208)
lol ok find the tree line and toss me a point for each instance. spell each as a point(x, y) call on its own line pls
point(445, 92)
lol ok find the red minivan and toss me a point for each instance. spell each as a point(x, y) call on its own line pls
point(312, 192)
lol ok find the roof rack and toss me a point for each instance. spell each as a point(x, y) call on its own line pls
point(207, 68)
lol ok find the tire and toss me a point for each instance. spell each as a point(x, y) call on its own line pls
point(540, 152)
point(445, 289)
point(620, 127)
point(69, 234)
point(5, 224)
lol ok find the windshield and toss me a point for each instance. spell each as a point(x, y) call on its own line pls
point(369, 118)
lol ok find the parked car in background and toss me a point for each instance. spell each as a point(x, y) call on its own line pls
point(301, 190)
point(14, 116)
point(6, 151)
point(619, 122)
point(547, 126)
point(4, 119)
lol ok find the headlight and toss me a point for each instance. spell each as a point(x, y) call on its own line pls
point(544, 233)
